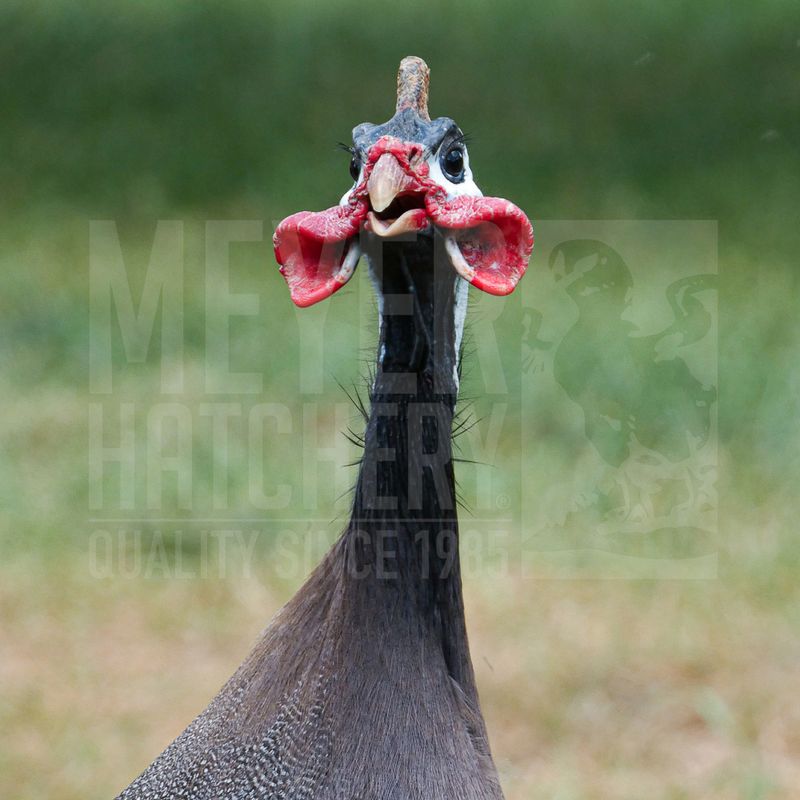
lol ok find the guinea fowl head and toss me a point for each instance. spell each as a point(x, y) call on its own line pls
point(412, 182)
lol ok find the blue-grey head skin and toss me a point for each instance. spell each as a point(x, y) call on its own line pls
point(407, 126)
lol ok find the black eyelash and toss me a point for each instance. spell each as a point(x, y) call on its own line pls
point(346, 147)
point(450, 141)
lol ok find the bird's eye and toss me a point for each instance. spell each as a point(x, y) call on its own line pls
point(355, 168)
point(453, 164)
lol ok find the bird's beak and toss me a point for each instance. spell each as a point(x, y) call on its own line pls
point(396, 205)
point(385, 182)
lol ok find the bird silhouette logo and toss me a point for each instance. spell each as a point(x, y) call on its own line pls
point(629, 386)
point(644, 406)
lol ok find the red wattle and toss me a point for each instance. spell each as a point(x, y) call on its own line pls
point(311, 248)
point(494, 237)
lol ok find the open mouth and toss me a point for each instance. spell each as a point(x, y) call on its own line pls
point(405, 214)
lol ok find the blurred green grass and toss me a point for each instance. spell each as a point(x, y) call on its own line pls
point(144, 111)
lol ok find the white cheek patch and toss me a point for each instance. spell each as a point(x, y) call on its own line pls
point(466, 187)
point(460, 313)
point(346, 196)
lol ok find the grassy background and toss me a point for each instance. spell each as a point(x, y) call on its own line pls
point(144, 111)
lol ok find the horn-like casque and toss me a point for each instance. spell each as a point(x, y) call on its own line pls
point(413, 78)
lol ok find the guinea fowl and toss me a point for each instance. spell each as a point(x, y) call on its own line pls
point(362, 687)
